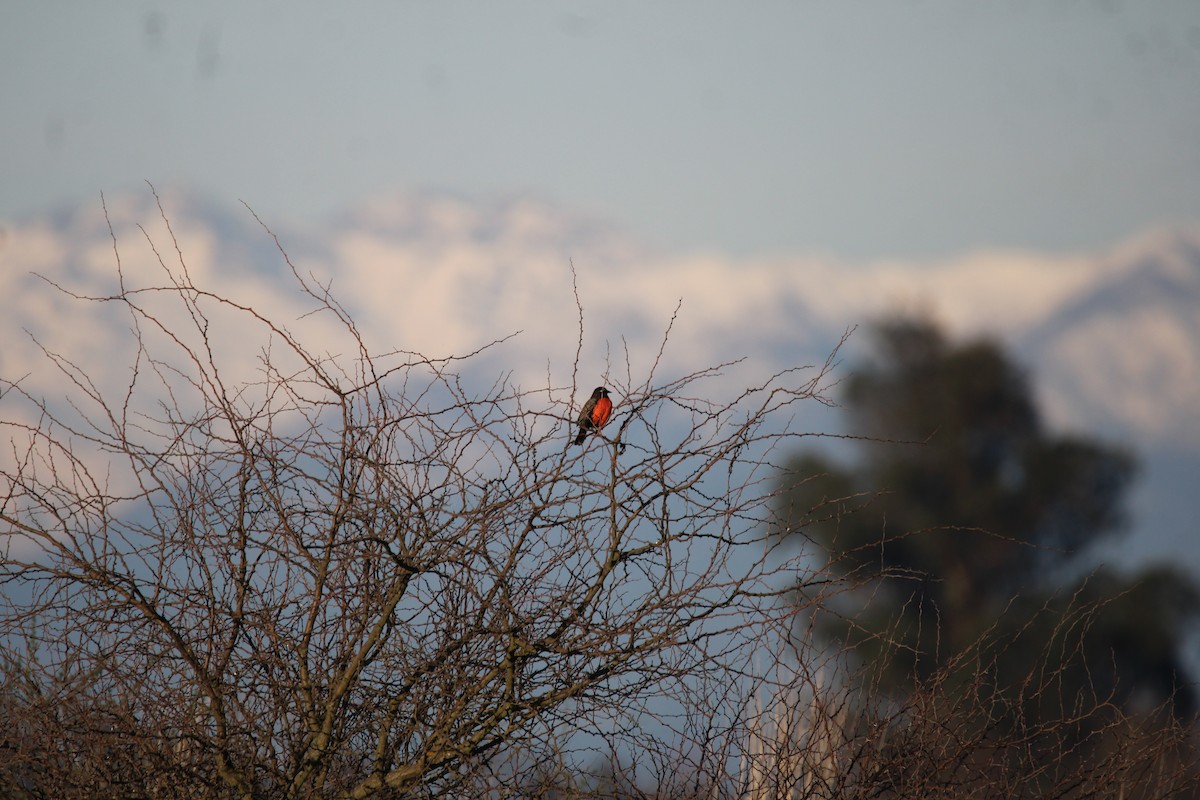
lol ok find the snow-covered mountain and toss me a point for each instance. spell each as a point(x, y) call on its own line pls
point(1123, 353)
point(1112, 338)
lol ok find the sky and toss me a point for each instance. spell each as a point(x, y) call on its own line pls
point(876, 151)
point(909, 129)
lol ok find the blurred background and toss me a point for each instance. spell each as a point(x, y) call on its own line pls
point(781, 171)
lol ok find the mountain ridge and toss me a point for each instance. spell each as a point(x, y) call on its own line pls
point(1112, 338)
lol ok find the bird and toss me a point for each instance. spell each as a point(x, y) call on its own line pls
point(595, 413)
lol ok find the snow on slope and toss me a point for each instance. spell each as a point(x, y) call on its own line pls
point(1112, 338)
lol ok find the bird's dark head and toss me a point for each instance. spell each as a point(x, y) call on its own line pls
point(600, 392)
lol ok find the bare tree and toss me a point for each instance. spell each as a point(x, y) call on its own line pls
point(263, 568)
point(250, 562)
point(965, 731)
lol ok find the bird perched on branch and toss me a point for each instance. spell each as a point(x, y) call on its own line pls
point(596, 412)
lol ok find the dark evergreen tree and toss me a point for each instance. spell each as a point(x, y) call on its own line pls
point(966, 518)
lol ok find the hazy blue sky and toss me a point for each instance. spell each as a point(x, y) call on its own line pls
point(910, 129)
